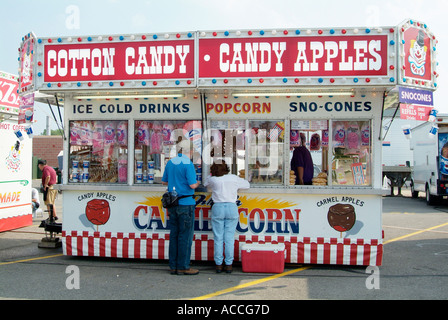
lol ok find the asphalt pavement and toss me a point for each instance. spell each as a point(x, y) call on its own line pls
point(414, 268)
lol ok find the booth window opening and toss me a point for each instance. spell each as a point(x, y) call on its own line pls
point(351, 153)
point(252, 149)
point(340, 151)
point(155, 144)
point(98, 151)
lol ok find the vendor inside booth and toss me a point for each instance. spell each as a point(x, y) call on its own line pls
point(247, 97)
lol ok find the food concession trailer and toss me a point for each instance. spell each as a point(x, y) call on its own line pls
point(244, 96)
point(15, 154)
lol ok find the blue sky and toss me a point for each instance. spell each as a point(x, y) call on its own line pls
point(94, 17)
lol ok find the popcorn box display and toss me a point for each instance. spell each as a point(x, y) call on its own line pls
point(263, 258)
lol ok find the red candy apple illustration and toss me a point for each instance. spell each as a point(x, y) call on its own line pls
point(342, 217)
point(98, 212)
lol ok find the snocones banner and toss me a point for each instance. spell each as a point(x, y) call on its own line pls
point(415, 104)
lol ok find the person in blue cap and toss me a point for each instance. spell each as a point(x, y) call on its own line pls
point(180, 176)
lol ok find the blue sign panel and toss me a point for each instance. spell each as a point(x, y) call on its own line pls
point(414, 96)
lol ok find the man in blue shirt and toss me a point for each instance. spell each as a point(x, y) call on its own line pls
point(180, 174)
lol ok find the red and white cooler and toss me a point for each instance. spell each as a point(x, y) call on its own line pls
point(263, 258)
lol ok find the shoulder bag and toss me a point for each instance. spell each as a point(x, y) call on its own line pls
point(169, 200)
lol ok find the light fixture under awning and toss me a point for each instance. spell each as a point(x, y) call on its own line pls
point(287, 94)
point(129, 96)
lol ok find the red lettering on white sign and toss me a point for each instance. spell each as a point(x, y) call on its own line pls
point(8, 92)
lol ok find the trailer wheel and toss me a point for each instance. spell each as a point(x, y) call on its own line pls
point(414, 193)
point(430, 199)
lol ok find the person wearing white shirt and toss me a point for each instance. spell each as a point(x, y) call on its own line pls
point(35, 199)
point(224, 187)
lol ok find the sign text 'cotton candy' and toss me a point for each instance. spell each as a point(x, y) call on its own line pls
point(109, 61)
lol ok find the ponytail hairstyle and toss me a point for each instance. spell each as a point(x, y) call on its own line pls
point(219, 169)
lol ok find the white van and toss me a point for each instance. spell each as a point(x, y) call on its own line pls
point(429, 143)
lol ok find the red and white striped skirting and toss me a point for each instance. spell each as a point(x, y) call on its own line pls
point(331, 251)
point(11, 223)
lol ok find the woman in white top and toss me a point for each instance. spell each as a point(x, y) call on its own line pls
point(224, 187)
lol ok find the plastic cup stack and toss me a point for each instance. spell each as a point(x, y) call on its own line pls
point(28, 115)
point(75, 171)
point(433, 132)
point(85, 173)
point(433, 115)
point(139, 166)
point(407, 131)
point(29, 131)
point(19, 134)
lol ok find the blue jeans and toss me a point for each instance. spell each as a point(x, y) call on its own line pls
point(181, 220)
point(224, 221)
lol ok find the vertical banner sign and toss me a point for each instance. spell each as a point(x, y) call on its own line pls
point(417, 55)
point(27, 63)
point(417, 50)
point(26, 112)
point(415, 104)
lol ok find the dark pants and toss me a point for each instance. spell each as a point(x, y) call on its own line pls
point(181, 219)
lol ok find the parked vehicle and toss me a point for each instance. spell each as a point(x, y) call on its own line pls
point(429, 143)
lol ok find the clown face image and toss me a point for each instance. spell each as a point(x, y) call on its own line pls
point(26, 69)
point(109, 134)
point(417, 55)
point(13, 161)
